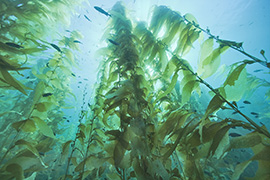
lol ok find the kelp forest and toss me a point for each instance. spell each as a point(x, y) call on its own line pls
point(145, 120)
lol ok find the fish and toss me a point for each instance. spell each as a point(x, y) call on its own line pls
point(242, 107)
point(56, 47)
point(253, 113)
point(73, 74)
point(47, 94)
point(79, 82)
point(76, 41)
point(246, 102)
point(261, 123)
point(258, 70)
point(113, 42)
point(87, 18)
point(85, 79)
point(14, 45)
point(234, 135)
point(41, 153)
point(99, 9)
point(235, 112)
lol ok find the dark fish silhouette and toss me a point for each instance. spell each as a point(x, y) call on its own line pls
point(246, 102)
point(47, 94)
point(234, 135)
point(13, 45)
point(253, 113)
point(258, 70)
point(56, 47)
point(87, 18)
point(99, 9)
point(76, 41)
point(113, 42)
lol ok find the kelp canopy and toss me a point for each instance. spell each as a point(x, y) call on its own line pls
point(145, 120)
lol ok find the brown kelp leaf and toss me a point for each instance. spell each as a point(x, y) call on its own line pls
point(43, 127)
point(90, 163)
point(249, 140)
point(118, 154)
point(175, 120)
point(239, 169)
point(65, 150)
point(31, 148)
point(233, 76)
point(215, 103)
point(170, 87)
point(44, 106)
point(27, 125)
point(16, 170)
point(156, 168)
point(7, 78)
point(217, 140)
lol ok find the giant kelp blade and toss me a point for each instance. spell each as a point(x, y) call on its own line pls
point(16, 170)
point(43, 127)
point(7, 78)
point(27, 125)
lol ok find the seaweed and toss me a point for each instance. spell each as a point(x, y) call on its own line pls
point(144, 120)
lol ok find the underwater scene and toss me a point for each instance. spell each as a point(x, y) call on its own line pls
point(134, 89)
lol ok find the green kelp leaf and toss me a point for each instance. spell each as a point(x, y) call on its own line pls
point(118, 154)
point(190, 18)
point(16, 170)
point(178, 26)
point(43, 127)
point(170, 68)
point(140, 171)
point(211, 63)
point(233, 76)
point(29, 146)
point(239, 169)
point(175, 120)
point(187, 90)
point(240, 87)
point(157, 168)
point(7, 78)
point(205, 51)
point(65, 150)
point(113, 176)
point(192, 36)
point(91, 162)
point(218, 140)
point(247, 141)
point(44, 106)
point(57, 83)
point(163, 58)
point(38, 92)
point(27, 125)
point(215, 103)
point(182, 39)
point(170, 87)
point(159, 16)
point(32, 177)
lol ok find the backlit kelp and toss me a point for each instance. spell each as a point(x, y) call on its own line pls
point(145, 121)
